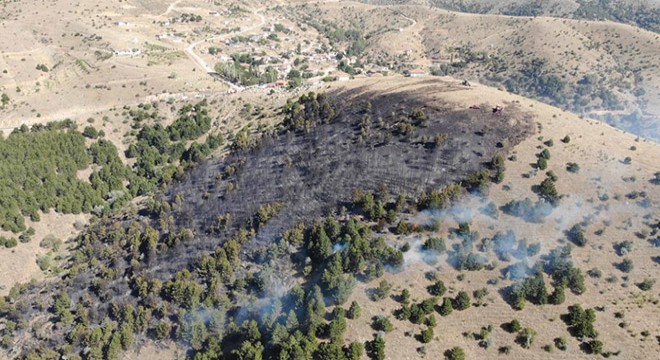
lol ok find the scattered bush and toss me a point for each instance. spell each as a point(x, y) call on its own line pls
point(382, 323)
point(576, 235)
point(572, 167)
point(626, 265)
point(646, 284)
point(526, 337)
point(455, 353)
point(382, 291)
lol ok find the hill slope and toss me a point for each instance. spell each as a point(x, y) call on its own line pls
point(603, 70)
point(228, 260)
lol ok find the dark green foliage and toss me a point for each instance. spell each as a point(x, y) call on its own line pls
point(533, 78)
point(545, 154)
point(382, 323)
point(623, 248)
point(8, 242)
point(182, 291)
point(337, 327)
point(560, 267)
point(533, 212)
point(478, 181)
point(566, 139)
point(455, 353)
point(561, 343)
point(171, 281)
point(236, 73)
point(514, 326)
point(532, 289)
point(558, 295)
point(337, 285)
point(437, 289)
point(427, 305)
point(626, 265)
point(469, 261)
point(431, 321)
point(576, 235)
point(595, 346)
point(319, 246)
point(656, 178)
point(40, 169)
point(542, 163)
point(382, 291)
point(354, 311)
point(447, 307)
point(572, 167)
point(462, 301)
point(548, 191)
point(90, 132)
point(479, 295)
point(193, 122)
point(438, 199)
point(404, 298)
point(163, 330)
point(426, 336)
point(646, 284)
point(376, 348)
point(158, 149)
point(249, 351)
point(581, 322)
point(526, 337)
point(417, 314)
point(309, 110)
point(61, 308)
point(354, 351)
point(329, 351)
point(497, 164)
point(403, 228)
point(641, 14)
point(435, 244)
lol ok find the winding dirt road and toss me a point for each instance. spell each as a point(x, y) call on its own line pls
point(190, 49)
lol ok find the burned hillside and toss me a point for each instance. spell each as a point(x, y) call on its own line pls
point(329, 147)
point(189, 266)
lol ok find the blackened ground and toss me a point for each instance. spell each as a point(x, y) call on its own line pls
point(312, 172)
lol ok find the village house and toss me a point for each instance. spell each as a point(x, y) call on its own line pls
point(416, 73)
point(132, 52)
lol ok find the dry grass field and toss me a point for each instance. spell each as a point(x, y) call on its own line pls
point(600, 150)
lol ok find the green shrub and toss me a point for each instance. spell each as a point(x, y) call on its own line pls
point(626, 265)
point(426, 336)
point(382, 323)
point(646, 284)
point(542, 163)
point(572, 167)
point(455, 353)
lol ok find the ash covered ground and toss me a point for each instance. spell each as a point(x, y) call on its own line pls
point(314, 170)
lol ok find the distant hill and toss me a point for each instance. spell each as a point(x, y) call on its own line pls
point(645, 14)
point(600, 69)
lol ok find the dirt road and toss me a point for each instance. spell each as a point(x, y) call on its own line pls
point(190, 49)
